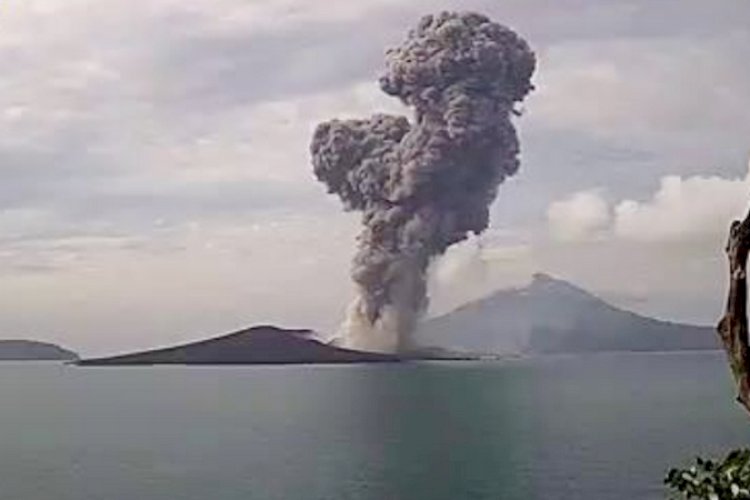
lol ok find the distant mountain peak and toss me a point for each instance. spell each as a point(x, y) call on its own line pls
point(541, 277)
point(547, 280)
point(553, 315)
point(546, 284)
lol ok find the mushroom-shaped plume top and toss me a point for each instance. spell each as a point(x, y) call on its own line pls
point(465, 49)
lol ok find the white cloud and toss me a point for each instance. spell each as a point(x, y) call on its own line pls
point(687, 209)
point(581, 216)
point(684, 208)
point(477, 267)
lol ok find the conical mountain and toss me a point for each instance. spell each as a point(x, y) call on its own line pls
point(554, 316)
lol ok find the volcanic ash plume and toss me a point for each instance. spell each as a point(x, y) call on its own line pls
point(426, 184)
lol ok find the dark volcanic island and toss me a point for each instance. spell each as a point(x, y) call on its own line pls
point(256, 345)
point(29, 350)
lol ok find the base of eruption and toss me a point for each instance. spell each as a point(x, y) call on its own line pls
point(362, 333)
point(260, 345)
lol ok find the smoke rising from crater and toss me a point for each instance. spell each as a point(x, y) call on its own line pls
point(425, 184)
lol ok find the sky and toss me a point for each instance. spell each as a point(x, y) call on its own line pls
point(156, 187)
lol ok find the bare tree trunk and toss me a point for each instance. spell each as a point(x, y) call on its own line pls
point(732, 328)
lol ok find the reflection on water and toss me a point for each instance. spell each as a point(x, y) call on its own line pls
point(600, 427)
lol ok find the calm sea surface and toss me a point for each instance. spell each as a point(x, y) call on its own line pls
point(581, 427)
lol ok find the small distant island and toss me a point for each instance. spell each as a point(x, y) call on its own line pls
point(30, 350)
point(263, 344)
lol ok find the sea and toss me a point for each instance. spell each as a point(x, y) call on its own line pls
point(598, 427)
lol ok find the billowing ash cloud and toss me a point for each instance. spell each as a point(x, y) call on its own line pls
point(426, 184)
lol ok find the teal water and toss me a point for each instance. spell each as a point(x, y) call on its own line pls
point(581, 427)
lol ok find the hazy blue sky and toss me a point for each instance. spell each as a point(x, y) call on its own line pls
point(155, 183)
